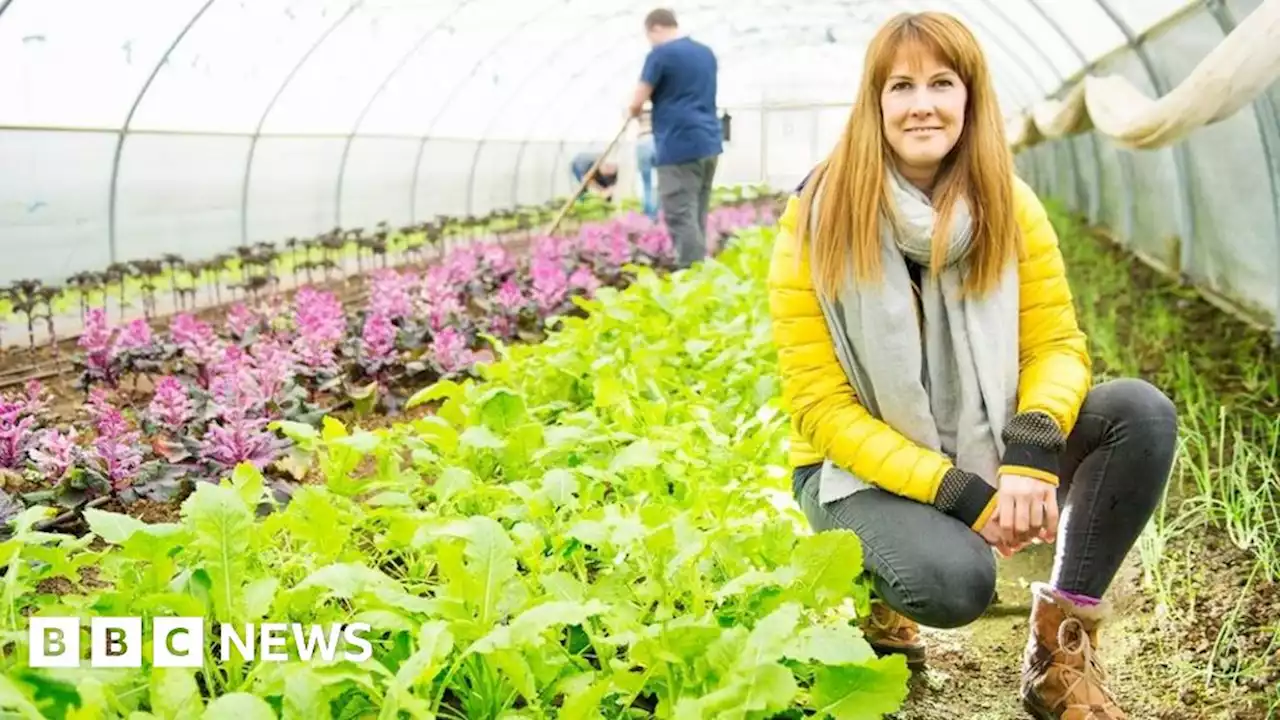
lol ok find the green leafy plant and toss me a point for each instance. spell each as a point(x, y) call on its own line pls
point(598, 529)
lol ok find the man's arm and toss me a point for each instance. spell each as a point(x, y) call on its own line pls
point(650, 76)
point(643, 92)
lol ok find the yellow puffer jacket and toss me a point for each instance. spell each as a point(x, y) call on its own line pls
point(828, 421)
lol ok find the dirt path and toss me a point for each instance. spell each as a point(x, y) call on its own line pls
point(973, 671)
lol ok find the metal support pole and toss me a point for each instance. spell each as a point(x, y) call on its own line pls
point(1085, 65)
point(124, 130)
point(462, 83)
point(1181, 161)
point(1267, 116)
point(262, 119)
point(395, 70)
point(1095, 200)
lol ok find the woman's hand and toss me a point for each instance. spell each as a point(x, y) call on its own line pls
point(994, 535)
point(1027, 509)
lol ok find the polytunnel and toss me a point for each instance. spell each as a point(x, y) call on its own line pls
point(351, 366)
point(194, 126)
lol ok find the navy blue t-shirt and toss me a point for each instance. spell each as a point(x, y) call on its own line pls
point(685, 126)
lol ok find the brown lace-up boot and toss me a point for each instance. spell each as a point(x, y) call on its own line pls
point(1062, 678)
point(890, 632)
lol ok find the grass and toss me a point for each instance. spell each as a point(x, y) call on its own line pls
point(1225, 380)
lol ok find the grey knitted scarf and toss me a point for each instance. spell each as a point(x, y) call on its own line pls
point(950, 390)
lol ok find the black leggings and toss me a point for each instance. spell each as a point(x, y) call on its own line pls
point(939, 572)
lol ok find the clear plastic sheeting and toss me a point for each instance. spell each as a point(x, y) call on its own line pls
point(139, 127)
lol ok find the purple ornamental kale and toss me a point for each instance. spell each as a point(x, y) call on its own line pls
point(499, 261)
point(449, 348)
point(119, 458)
point(55, 452)
point(234, 395)
point(391, 294)
point(461, 266)
point(17, 436)
point(584, 279)
point(196, 339)
point(273, 364)
point(446, 311)
point(550, 283)
point(378, 342)
point(135, 336)
point(656, 244)
point(509, 299)
point(240, 320)
point(95, 341)
point(321, 325)
point(107, 419)
point(116, 449)
point(171, 405)
point(242, 439)
point(37, 398)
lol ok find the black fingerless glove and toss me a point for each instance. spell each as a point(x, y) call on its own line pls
point(964, 496)
point(1032, 444)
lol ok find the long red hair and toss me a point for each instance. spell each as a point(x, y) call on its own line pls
point(979, 168)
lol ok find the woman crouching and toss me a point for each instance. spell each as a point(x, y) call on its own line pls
point(940, 390)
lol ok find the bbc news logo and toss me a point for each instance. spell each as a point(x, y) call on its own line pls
point(116, 642)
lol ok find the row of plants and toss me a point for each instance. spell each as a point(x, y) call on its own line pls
point(162, 410)
point(597, 528)
point(256, 270)
point(1211, 555)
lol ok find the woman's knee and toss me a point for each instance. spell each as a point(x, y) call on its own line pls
point(1128, 400)
point(956, 588)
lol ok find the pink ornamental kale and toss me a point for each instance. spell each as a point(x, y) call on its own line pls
point(135, 336)
point(321, 325)
point(447, 310)
point(195, 338)
point(107, 419)
point(55, 452)
point(234, 395)
point(509, 299)
point(461, 266)
point(378, 342)
point(436, 284)
point(449, 348)
point(655, 243)
point(584, 279)
point(617, 248)
point(272, 368)
point(95, 341)
point(37, 398)
point(232, 361)
point(17, 435)
point(116, 449)
point(240, 320)
point(171, 405)
point(499, 261)
point(391, 294)
point(238, 440)
point(120, 459)
point(550, 283)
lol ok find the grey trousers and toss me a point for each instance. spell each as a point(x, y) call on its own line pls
point(939, 572)
point(685, 193)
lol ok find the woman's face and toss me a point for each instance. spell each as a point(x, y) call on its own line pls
point(923, 110)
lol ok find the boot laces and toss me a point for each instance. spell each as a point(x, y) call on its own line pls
point(884, 618)
point(1073, 642)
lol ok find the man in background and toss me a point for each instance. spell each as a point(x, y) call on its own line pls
point(604, 179)
point(679, 79)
